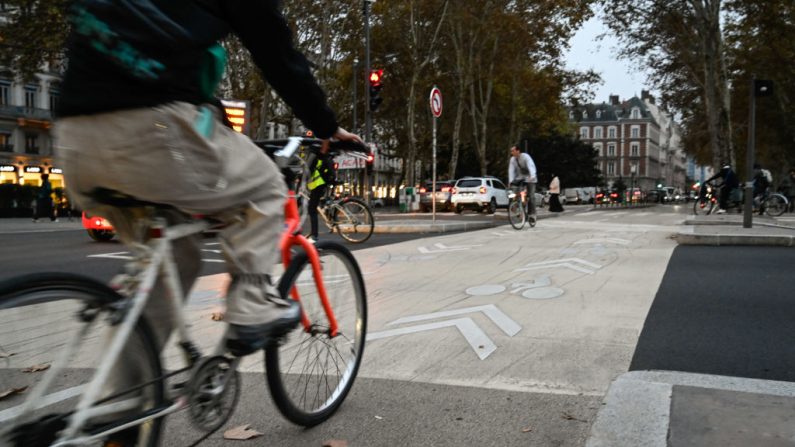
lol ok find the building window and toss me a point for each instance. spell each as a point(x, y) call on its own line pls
point(634, 169)
point(583, 132)
point(571, 114)
point(611, 168)
point(30, 96)
point(598, 147)
point(598, 113)
point(635, 113)
point(54, 99)
point(597, 132)
point(5, 143)
point(585, 114)
point(634, 149)
point(611, 150)
point(635, 132)
point(611, 132)
point(5, 93)
point(31, 143)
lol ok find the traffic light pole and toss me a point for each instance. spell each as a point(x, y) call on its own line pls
point(368, 120)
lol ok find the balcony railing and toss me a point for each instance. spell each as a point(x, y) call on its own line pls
point(7, 111)
point(32, 150)
point(6, 148)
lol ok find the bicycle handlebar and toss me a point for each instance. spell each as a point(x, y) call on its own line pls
point(271, 147)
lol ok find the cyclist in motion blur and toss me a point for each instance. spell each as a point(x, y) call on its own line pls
point(138, 115)
point(522, 168)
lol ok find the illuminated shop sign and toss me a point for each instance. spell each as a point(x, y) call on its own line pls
point(33, 169)
point(56, 171)
point(237, 114)
point(8, 168)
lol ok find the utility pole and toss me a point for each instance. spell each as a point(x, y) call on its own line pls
point(368, 119)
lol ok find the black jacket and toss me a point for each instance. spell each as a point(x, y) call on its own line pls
point(160, 51)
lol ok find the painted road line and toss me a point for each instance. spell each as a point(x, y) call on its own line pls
point(504, 322)
point(477, 339)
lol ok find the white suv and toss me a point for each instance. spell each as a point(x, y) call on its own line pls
point(479, 193)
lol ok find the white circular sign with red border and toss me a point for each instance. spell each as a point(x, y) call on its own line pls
point(436, 102)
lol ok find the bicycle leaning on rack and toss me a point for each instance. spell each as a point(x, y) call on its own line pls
point(65, 333)
point(518, 213)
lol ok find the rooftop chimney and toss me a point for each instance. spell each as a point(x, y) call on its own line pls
point(614, 100)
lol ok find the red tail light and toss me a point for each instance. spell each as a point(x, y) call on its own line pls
point(483, 190)
point(423, 190)
point(446, 189)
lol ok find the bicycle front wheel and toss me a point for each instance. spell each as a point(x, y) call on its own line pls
point(702, 206)
point(516, 214)
point(311, 372)
point(776, 205)
point(354, 221)
point(41, 317)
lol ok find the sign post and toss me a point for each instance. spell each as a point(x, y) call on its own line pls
point(436, 109)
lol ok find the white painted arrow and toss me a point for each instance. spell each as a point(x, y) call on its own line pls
point(441, 248)
point(118, 255)
point(480, 342)
point(504, 322)
point(570, 263)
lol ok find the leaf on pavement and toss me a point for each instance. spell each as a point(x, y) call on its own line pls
point(11, 392)
point(36, 368)
point(569, 417)
point(335, 443)
point(527, 429)
point(241, 433)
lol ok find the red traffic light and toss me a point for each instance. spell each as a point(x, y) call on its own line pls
point(370, 157)
point(375, 77)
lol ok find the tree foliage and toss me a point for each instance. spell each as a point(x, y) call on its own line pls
point(32, 33)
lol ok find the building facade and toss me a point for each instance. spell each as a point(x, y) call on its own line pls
point(26, 117)
point(635, 141)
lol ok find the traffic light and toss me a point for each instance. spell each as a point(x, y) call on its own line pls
point(370, 162)
point(376, 85)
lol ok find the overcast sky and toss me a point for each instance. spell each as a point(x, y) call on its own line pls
point(619, 77)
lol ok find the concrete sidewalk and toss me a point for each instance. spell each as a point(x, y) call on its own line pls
point(728, 230)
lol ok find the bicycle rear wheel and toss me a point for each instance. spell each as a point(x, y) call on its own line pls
point(311, 372)
point(775, 205)
point(353, 220)
point(516, 214)
point(41, 314)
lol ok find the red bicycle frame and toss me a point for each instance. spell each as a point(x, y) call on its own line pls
point(292, 236)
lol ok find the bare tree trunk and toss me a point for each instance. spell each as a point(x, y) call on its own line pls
point(717, 99)
point(464, 77)
point(480, 110)
point(410, 115)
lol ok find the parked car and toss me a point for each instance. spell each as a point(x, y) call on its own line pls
point(545, 198)
point(479, 193)
point(573, 195)
point(442, 196)
point(98, 227)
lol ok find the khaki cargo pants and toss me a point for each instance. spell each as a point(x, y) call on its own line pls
point(182, 155)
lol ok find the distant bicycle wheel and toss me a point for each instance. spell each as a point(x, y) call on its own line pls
point(776, 205)
point(353, 220)
point(702, 206)
point(311, 372)
point(516, 214)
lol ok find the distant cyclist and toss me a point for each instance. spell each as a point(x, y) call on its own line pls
point(137, 115)
point(521, 168)
point(323, 177)
point(730, 183)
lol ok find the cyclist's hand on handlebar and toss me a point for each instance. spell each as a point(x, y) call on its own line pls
point(341, 135)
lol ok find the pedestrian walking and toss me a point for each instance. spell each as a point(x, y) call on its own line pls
point(554, 195)
point(787, 188)
point(43, 204)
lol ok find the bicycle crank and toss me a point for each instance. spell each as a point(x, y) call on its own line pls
point(213, 391)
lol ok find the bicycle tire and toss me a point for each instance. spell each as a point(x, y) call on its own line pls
point(287, 373)
point(702, 207)
point(776, 205)
point(37, 312)
point(353, 220)
point(516, 214)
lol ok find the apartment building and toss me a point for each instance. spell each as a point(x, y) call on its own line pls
point(636, 141)
point(26, 118)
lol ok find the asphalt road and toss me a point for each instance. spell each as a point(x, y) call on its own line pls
point(723, 310)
